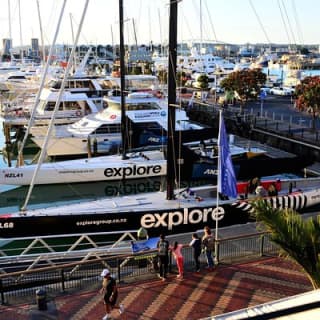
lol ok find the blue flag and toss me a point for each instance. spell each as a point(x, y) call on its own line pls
point(227, 182)
point(145, 245)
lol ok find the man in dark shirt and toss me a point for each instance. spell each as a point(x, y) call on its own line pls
point(196, 245)
point(163, 256)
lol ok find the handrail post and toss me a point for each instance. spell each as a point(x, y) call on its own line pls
point(118, 270)
point(1, 292)
point(262, 245)
point(217, 252)
point(63, 287)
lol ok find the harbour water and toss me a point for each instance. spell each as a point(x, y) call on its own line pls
point(279, 74)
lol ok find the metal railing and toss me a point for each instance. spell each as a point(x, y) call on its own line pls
point(67, 275)
point(295, 127)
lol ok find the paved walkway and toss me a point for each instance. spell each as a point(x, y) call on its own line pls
point(199, 295)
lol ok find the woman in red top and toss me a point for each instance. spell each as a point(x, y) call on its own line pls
point(176, 251)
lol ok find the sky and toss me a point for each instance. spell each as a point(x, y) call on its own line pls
point(226, 21)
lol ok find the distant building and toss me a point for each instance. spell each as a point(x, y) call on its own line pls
point(7, 46)
point(139, 54)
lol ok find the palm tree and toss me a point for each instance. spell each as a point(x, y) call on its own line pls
point(298, 239)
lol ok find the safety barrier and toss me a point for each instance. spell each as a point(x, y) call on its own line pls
point(67, 276)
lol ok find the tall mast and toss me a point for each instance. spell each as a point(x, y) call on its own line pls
point(20, 27)
point(9, 12)
point(122, 81)
point(135, 34)
point(10, 31)
point(113, 47)
point(161, 51)
point(41, 34)
point(172, 66)
point(201, 39)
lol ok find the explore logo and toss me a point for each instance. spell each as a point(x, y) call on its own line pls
point(134, 171)
point(176, 218)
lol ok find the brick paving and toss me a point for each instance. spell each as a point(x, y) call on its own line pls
point(199, 295)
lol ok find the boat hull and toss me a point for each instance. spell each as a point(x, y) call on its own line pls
point(178, 220)
point(190, 211)
point(109, 168)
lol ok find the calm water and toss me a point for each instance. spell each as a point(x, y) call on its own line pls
point(277, 73)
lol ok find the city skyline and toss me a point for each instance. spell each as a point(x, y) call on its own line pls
point(231, 21)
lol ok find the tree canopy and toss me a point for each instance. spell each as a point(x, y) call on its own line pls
point(203, 81)
point(298, 239)
point(245, 84)
point(307, 95)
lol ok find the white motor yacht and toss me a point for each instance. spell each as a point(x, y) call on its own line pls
point(72, 107)
point(103, 129)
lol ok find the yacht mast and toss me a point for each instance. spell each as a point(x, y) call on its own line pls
point(9, 12)
point(21, 47)
point(113, 47)
point(172, 66)
point(161, 45)
point(122, 82)
point(41, 34)
point(201, 39)
point(10, 31)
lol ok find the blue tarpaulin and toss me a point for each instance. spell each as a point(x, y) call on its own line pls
point(145, 245)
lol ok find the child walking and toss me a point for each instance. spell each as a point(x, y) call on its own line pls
point(176, 251)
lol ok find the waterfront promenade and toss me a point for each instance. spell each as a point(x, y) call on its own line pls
point(229, 287)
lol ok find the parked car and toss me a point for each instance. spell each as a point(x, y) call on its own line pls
point(217, 90)
point(265, 89)
point(281, 91)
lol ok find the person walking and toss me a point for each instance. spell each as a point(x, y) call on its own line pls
point(196, 245)
point(177, 254)
point(208, 245)
point(110, 291)
point(163, 257)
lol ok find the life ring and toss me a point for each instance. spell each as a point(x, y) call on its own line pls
point(159, 95)
point(78, 113)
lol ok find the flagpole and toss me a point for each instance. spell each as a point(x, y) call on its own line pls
point(226, 178)
point(217, 197)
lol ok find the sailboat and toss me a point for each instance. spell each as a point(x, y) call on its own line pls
point(189, 209)
point(171, 211)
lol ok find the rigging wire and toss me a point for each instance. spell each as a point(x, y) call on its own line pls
point(57, 103)
point(299, 30)
point(211, 23)
point(284, 22)
point(289, 24)
point(184, 18)
point(259, 20)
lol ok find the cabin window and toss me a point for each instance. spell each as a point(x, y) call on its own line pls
point(16, 78)
point(106, 84)
point(50, 106)
point(142, 106)
point(108, 128)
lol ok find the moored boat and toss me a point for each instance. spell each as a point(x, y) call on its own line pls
point(191, 209)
